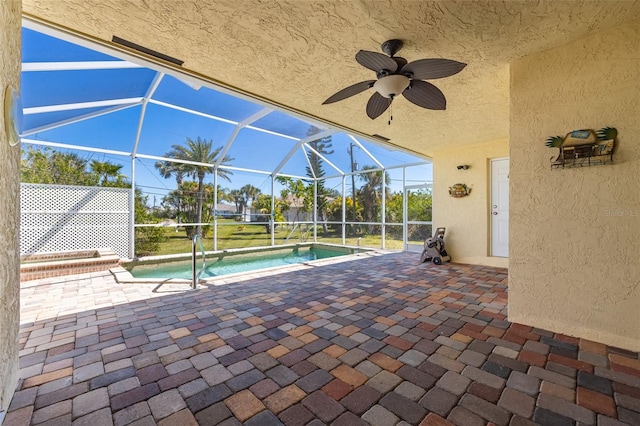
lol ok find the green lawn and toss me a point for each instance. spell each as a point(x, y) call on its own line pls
point(239, 235)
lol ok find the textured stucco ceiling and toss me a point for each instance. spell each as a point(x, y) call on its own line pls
point(297, 53)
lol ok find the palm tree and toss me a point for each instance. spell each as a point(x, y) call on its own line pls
point(200, 151)
point(249, 193)
point(371, 191)
point(236, 196)
point(106, 170)
point(168, 169)
point(223, 194)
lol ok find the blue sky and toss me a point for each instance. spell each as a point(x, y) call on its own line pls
point(164, 127)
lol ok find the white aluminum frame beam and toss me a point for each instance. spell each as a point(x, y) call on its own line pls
point(77, 119)
point(78, 66)
point(293, 176)
point(323, 159)
point(241, 125)
point(421, 163)
point(80, 105)
point(366, 151)
point(306, 157)
point(195, 163)
point(271, 132)
point(76, 147)
point(242, 169)
point(192, 111)
point(173, 160)
point(285, 160)
point(147, 97)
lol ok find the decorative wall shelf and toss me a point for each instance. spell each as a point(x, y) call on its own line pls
point(580, 156)
point(583, 148)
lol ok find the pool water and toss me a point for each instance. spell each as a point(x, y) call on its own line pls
point(231, 264)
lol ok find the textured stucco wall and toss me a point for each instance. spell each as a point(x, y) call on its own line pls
point(467, 218)
point(574, 233)
point(9, 208)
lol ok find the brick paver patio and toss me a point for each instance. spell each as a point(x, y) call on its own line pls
point(381, 340)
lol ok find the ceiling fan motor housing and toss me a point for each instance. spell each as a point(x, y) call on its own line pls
point(391, 47)
point(391, 85)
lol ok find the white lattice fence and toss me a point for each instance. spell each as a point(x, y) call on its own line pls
point(59, 217)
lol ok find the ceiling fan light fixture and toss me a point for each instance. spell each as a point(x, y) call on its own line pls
point(391, 85)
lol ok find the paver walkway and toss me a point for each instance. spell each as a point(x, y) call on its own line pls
point(381, 340)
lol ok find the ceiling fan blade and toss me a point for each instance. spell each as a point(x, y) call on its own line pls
point(430, 69)
point(377, 105)
point(349, 91)
point(425, 95)
point(376, 61)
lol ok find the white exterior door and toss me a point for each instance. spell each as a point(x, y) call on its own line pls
point(500, 207)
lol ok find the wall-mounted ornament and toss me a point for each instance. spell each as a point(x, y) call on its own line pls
point(585, 147)
point(459, 190)
point(12, 115)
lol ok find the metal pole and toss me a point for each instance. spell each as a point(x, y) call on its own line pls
point(315, 210)
point(215, 206)
point(384, 205)
point(194, 274)
point(132, 210)
point(405, 213)
point(353, 184)
point(344, 210)
point(272, 216)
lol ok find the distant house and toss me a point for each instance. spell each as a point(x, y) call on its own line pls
point(295, 213)
point(226, 211)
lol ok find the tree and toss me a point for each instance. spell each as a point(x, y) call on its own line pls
point(249, 193)
point(238, 199)
point(108, 173)
point(418, 208)
point(334, 209)
point(223, 194)
point(147, 238)
point(419, 205)
point(169, 169)
point(262, 203)
point(394, 205)
point(46, 165)
point(315, 170)
point(297, 191)
point(200, 151)
point(187, 195)
point(371, 191)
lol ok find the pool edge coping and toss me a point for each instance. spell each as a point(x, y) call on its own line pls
point(123, 276)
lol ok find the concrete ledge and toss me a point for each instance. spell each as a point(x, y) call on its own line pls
point(73, 262)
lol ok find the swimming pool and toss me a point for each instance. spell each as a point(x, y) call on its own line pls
point(232, 262)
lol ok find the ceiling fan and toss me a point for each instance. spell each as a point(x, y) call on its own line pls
point(395, 76)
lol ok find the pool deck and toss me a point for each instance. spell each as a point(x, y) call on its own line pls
point(380, 339)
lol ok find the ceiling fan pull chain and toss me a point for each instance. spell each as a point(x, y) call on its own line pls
point(390, 114)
